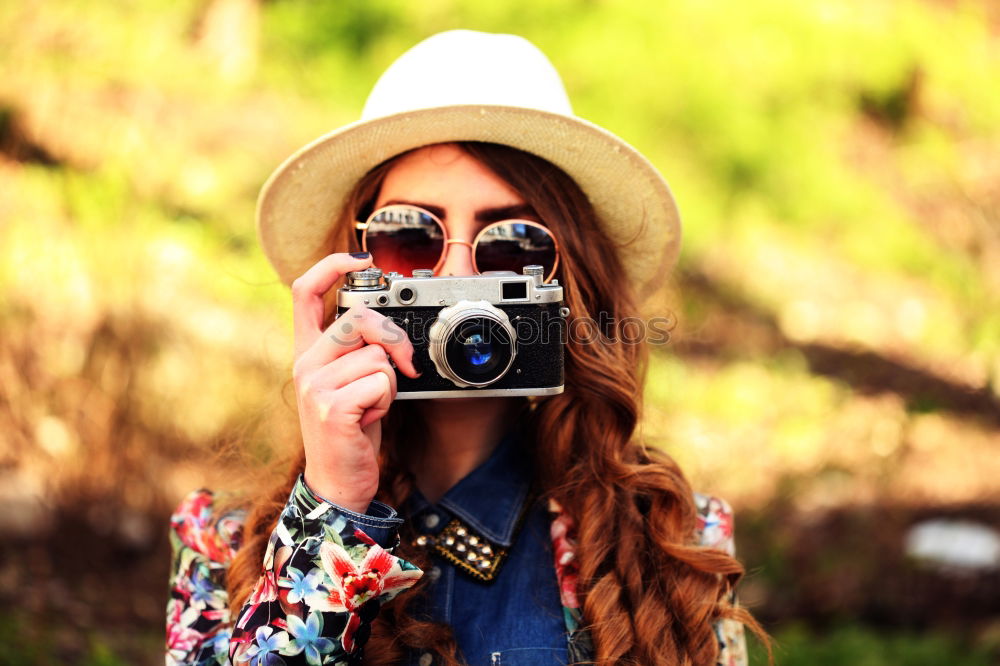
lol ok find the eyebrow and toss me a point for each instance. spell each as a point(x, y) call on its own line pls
point(485, 215)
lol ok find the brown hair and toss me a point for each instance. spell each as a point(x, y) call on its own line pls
point(650, 595)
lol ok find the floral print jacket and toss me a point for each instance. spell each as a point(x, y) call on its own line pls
point(325, 574)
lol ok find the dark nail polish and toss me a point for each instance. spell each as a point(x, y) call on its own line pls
point(361, 255)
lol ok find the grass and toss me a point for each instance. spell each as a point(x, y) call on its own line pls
point(853, 645)
point(23, 642)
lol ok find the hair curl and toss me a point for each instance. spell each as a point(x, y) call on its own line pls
point(650, 595)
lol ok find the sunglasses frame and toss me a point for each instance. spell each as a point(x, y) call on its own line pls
point(361, 228)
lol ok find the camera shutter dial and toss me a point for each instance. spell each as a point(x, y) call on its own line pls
point(369, 278)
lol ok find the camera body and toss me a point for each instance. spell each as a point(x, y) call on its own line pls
point(494, 334)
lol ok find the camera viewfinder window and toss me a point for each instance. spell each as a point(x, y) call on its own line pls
point(514, 291)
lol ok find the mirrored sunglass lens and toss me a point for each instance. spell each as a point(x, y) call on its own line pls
point(402, 239)
point(510, 246)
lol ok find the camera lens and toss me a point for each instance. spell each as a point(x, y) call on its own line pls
point(472, 344)
point(479, 351)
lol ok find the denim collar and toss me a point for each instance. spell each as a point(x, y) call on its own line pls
point(491, 498)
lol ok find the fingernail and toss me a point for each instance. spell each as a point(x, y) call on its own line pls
point(361, 255)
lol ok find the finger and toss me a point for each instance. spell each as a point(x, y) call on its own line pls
point(377, 412)
point(373, 431)
point(309, 288)
point(350, 367)
point(373, 415)
point(368, 393)
point(353, 329)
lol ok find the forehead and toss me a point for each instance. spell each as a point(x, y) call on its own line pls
point(446, 175)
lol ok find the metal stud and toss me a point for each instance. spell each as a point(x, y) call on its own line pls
point(466, 549)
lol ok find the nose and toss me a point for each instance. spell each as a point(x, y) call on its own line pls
point(457, 258)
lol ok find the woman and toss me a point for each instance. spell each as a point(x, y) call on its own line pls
point(532, 530)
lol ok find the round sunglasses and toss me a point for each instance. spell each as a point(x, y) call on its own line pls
point(403, 238)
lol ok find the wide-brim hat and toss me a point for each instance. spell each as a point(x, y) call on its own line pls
point(463, 85)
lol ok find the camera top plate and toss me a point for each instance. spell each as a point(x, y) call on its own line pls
point(371, 289)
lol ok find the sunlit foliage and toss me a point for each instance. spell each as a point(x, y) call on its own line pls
point(837, 345)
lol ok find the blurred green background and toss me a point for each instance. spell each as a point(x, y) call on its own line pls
point(834, 371)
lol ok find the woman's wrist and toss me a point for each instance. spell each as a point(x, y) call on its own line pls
point(378, 521)
point(337, 495)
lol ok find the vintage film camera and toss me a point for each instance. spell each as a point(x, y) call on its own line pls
point(495, 334)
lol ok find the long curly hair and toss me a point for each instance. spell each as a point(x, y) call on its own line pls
point(649, 594)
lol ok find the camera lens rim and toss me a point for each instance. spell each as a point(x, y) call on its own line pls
point(449, 324)
point(491, 338)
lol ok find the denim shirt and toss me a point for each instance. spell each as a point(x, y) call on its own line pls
point(517, 618)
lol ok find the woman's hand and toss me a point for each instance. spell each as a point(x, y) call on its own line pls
point(344, 384)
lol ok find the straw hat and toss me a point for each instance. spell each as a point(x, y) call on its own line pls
point(470, 86)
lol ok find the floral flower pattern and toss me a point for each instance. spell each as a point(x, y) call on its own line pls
point(266, 646)
point(309, 638)
point(354, 584)
point(322, 581)
point(300, 586)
